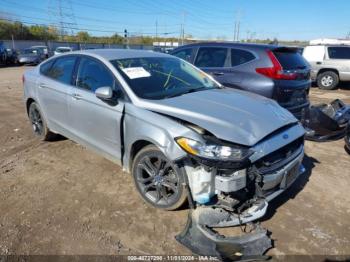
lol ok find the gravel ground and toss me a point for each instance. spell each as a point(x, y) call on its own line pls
point(60, 198)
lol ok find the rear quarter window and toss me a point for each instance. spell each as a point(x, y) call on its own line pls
point(290, 59)
point(239, 57)
point(339, 52)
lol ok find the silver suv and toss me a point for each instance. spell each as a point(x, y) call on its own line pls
point(330, 64)
point(170, 125)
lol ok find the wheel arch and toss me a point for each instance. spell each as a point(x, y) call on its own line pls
point(135, 148)
point(323, 70)
point(28, 103)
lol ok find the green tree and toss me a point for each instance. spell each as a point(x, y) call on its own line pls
point(83, 36)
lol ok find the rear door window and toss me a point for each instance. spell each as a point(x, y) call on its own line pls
point(62, 69)
point(184, 54)
point(314, 53)
point(239, 57)
point(339, 52)
point(93, 74)
point(211, 57)
point(290, 59)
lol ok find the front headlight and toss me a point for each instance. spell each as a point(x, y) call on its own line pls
point(214, 151)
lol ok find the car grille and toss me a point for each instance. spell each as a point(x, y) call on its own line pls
point(279, 158)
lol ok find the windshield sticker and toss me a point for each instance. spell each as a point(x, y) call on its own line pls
point(136, 72)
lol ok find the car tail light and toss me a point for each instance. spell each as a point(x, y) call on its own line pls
point(276, 71)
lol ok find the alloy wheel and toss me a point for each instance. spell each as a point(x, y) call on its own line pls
point(157, 179)
point(327, 80)
point(36, 121)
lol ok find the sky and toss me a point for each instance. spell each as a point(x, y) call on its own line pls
point(202, 19)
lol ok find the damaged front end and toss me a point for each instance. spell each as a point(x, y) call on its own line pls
point(231, 193)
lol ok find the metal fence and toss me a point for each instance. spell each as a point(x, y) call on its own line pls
point(52, 45)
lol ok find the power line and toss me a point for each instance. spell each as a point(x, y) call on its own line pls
point(88, 29)
point(41, 10)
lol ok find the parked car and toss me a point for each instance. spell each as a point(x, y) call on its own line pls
point(3, 55)
point(169, 124)
point(330, 64)
point(31, 56)
point(62, 49)
point(276, 72)
point(43, 48)
point(12, 56)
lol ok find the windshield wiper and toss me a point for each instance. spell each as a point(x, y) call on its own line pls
point(191, 90)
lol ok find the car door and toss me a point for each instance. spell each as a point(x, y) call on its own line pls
point(95, 122)
point(54, 87)
point(215, 61)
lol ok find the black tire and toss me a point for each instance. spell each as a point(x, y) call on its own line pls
point(38, 123)
point(327, 80)
point(159, 182)
point(347, 142)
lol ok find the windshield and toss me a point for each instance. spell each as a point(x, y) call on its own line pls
point(30, 51)
point(162, 77)
point(62, 50)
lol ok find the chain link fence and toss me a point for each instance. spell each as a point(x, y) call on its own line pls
point(52, 45)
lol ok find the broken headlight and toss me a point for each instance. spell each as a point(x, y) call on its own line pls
point(214, 151)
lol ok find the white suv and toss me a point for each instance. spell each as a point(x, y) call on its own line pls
point(330, 64)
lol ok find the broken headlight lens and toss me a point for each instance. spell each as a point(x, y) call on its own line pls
point(210, 150)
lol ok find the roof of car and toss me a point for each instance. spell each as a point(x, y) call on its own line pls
point(232, 44)
point(111, 54)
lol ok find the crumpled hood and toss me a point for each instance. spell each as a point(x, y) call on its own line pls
point(232, 115)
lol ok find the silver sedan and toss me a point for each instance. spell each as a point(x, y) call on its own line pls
point(171, 126)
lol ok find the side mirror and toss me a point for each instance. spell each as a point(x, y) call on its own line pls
point(104, 93)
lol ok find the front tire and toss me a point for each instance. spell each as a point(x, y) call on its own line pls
point(159, 182)
point(38, 123)
point(327, 80)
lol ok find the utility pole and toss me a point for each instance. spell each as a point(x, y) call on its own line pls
point(13, 41)
point(235, 31)
point(237, 26)
point(156, 30)
point(61, 19)
point(183, 28)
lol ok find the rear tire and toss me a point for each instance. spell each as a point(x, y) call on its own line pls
point(327, 80)
point(38, 123)
point(158, 180)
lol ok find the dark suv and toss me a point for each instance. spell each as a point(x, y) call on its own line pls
point(280, 73)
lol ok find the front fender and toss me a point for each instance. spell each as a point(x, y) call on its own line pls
point(155, 128)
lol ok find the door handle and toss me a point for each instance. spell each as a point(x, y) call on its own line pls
point(41, 85)
point(218, 73)
point(77, 96)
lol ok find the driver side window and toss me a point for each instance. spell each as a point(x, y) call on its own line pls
point(93, 74)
